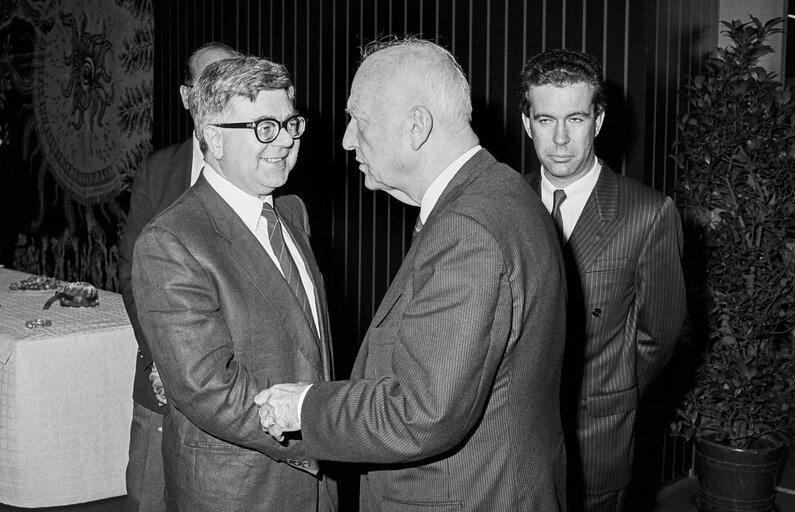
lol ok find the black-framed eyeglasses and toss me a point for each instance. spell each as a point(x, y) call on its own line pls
point(267, 128)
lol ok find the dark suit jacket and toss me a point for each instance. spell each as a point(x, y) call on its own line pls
point(224, 324)
point(454, 398)
point(160, 180)
point(626, 308)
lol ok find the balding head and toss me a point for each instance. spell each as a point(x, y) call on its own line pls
point(200, 59)
point(410, 110)
point(425, 73)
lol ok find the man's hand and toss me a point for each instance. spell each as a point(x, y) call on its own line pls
point(157, 385)
point(278, 408)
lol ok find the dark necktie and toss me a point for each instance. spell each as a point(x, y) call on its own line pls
point(289, 269)
point(417, 228)
point(557, 199)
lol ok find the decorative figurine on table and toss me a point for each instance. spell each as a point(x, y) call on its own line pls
point(75, 295)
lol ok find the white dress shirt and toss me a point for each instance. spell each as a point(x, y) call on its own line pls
point(431, 196)
point(577, 194)
point(197, 162)
point(249, 209)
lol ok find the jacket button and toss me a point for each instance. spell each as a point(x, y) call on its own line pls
point(596, 312)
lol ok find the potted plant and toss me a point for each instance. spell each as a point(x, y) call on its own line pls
point(736, 155)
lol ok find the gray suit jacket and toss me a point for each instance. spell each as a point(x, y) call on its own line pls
point(223, 324)
point(454, 398)
point(160, 180)
point(626, 308)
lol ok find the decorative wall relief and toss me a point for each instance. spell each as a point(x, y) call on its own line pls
point(92, 97)
point(81, 71)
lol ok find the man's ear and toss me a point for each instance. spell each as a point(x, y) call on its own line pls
point(215, 141)
point(526, 123)
point(184, 93)
point(599, 120)
point(421, 123)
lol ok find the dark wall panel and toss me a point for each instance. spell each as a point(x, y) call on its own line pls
point(360, 237)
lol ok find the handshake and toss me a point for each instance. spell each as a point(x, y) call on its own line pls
point(278, 408)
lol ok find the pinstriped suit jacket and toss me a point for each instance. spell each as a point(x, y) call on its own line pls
point(626, 308)
point(454, 398)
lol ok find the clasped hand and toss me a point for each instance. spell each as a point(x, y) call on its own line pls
point(157, 386)
point(278, 408)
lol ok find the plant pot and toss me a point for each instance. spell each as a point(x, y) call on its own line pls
point(737, 479)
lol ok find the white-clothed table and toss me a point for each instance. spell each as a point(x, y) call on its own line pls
point(65, 398)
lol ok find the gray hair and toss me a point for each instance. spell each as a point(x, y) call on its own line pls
point(239, 76)
point(434, 70)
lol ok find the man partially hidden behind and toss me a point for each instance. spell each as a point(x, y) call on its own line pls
point(160, 180)
point(453, 400)
point(231, 300)
point(623, 244)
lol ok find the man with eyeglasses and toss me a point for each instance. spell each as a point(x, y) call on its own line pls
point(232, 300)
point(159, 181)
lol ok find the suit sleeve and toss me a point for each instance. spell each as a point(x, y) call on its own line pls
point(660, 294)
point(429, 368)
point(141, 211)
point(180, 312)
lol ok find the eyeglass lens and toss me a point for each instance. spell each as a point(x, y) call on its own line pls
point(268, 129)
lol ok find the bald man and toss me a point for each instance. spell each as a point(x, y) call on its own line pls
point(453, 400)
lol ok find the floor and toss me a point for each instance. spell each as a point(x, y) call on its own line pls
point(680, 496)
point(675, 497)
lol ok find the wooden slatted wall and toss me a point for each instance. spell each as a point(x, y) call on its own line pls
point(646, 47)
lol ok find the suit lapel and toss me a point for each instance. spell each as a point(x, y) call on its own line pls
point(254, 262)
point(596, 225)
point(294, 225)
point(599, 221)
point(397, 286)
point(471, 169)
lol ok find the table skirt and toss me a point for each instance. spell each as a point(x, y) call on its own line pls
point(65, 399)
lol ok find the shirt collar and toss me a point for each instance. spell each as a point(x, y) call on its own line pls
point(197, 161)
point(438, 185)
point(582, 186)
point(246, 206)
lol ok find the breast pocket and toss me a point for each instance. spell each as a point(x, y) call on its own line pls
point(605, 279)
point(613, 403)
point(607, 265)
point(414, 506)
point(381, 344)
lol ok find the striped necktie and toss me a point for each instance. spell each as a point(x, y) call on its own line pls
point(557, 199)
point(286, 262)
